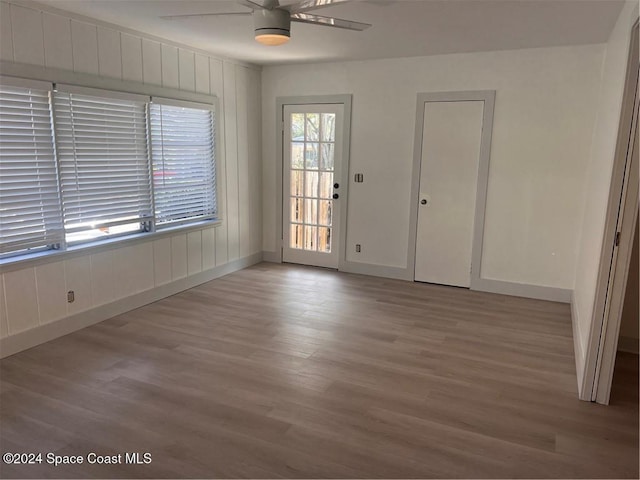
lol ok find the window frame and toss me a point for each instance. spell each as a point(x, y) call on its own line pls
point(194, 105)
point(145, 226)
point(45, 87)
point(123, 90)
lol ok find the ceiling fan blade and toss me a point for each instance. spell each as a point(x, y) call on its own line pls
point(329, 21)
point(193, 15)
point(308, 5)
point(252, 5)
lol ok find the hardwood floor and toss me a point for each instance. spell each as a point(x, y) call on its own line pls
point(284, 371)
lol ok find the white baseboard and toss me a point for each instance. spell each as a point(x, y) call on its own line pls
point(482, 285)
point(44, 333)
point(538, 292)
point(272, 257)
point(352, 267)
point(628, 344)
point(375, 270)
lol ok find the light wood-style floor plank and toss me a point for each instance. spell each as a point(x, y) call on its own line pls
point(281, 371)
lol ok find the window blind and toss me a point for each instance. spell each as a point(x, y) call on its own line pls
point(183, 159)
point(29, 199)
point(104, 164)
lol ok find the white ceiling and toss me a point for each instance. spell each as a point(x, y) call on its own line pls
point(401, 28)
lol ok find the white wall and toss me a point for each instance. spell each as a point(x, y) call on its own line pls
point(36, 296)
point(544, 117)
point(596, 194)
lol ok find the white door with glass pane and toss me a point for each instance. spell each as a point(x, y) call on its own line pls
point(312, 199)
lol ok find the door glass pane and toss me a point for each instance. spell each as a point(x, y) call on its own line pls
point(324, 239)
point(296, 209)
point(311, 211)
point(311, 156)
point(310, 238)
point(311, 184)
point(297, 183)
point(311, 189)
point(297, 155)
point(324, 213)
point(328, 127)
point(327, 156)
point(326, 185)
point(313, 127)
point(295, 240)
point(297, 127)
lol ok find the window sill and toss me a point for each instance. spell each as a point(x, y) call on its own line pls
point(40, 258)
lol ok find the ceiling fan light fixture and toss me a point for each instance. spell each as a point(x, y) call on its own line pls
point(272, 21)
point(272, 39)
point(272, 27)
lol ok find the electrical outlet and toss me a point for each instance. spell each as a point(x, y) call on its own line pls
point(71, 296)
point(358, 247)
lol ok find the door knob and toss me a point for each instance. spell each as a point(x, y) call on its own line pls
point(423, 201)
point(336, 196)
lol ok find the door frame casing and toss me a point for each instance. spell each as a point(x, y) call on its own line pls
point(603, 332)
point(345, 100)
point(488, 97)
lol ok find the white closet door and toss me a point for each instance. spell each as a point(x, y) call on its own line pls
point(448, 181)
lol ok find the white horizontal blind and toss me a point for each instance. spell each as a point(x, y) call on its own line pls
point(29, 198)
point(183, 159)
point(104, 164)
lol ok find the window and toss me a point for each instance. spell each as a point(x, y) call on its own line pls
point(29, 197)
point(104, 164)
point(79, 165)
point(183, 158)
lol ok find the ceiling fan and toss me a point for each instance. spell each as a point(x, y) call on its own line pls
point(272, 21)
